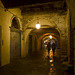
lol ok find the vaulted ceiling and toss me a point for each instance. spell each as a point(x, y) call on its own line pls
point(18, 3)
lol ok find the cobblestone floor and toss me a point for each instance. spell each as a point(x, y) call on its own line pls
point(35, 64)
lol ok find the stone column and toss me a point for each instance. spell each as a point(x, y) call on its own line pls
point(33, 43)
point(71, 6)
point(72, 26)
point(68, 34)
point(22, 44)
point(63, 48)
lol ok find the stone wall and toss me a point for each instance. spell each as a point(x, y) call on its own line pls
point(71, 6)
point(56, 20)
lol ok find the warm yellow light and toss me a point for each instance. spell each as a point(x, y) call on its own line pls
point(50, 37)
point(38, 26)
point(51, 60)
point(52, 65)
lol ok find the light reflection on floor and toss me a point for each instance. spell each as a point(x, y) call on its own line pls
point(36, 64)
point(51, 54)
point(52, 69)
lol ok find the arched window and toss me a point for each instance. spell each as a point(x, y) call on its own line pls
point(15, 23)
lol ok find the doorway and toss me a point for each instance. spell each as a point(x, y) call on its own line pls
point(15, 40)
point(15, 45)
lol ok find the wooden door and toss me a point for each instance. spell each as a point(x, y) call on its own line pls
point(15, 45)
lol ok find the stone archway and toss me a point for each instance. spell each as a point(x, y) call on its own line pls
point(51, 40)
point(15, 23)
point(54, 37)
point(47, 32)
point(37, 36)
point(15, 39)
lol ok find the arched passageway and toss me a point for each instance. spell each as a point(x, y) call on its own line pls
point(37, 37)
point(52, 41)
point(15, 39)
point(52, 15)
point(47, 39)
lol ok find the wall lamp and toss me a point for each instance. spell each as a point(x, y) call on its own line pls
point(50, 36)
point(38, 24)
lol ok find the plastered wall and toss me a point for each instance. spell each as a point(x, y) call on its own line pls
point(5, 22)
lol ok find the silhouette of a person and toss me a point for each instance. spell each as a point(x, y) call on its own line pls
point(48, 46)
point(53, 48)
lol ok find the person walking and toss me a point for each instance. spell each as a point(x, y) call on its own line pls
point(48, 46)
point(53, 48)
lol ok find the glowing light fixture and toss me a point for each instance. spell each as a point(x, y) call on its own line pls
point(38, 24)
point(50, 37)
point(51, 60)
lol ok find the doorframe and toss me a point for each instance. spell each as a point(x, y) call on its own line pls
point(12, 29)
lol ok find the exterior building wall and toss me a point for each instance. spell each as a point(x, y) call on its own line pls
point(5, 22)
